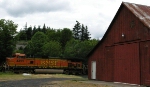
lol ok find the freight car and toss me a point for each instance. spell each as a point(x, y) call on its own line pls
point(19, 64)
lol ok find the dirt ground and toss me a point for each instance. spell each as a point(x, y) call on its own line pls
point(69, 83)
point(54, 80)
point(46, 80)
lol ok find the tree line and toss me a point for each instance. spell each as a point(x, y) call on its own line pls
point(45, 41)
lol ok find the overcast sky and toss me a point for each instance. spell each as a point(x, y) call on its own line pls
point(59, 14)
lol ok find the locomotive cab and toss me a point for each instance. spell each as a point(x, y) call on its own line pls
point(19, 55)
point(15, 60)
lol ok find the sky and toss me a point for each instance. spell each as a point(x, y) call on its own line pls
point(58, 14)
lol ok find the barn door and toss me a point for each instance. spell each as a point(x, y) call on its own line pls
point(93, 70)
point(126, 63)
point(145, 62)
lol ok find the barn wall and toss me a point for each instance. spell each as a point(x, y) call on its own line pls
point(127, 63)
point(124, 23)
point(100, 64)
point(145, 62)
point(128, 25)
point(119, 57)
point(95, 57)
point(121, 25)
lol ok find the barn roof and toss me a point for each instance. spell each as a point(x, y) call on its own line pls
point(142, 12)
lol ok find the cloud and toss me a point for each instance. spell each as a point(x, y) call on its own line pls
point(19, 8)
point(59, 14)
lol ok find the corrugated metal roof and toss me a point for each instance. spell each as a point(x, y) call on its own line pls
point(140, 11)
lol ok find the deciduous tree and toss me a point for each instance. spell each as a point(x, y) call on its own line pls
point(7, 31)
point(38, 40)
point(52, 49)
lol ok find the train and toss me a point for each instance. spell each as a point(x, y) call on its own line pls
point(19, 63)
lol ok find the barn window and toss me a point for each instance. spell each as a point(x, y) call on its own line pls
point(132, 24)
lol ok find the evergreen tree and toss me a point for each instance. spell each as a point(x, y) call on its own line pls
point(82, 32)
point(76, 31)
point(86, 34)
point(44, 29)
point(25, 27)
point(29, 33)
point(39, 28)
point(34, 30)
point(22, 35)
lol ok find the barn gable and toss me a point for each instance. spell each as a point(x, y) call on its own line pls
point(142, 12)
point(121, 54)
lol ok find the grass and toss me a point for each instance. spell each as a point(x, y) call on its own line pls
point(6, 73)
point(5, 76)
point(12, 76)
point(79, 81)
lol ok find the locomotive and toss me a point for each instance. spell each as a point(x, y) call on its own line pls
point(18, 63)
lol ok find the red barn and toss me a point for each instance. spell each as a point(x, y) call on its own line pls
point(123, 54)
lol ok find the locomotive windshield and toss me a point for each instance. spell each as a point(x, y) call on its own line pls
point(21, 57)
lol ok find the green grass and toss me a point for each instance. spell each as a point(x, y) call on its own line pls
point(6, 73)
point(12, 76)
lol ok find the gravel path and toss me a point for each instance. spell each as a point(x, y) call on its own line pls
point(31, 82)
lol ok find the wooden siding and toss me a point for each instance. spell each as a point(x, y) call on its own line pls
point(125, 58)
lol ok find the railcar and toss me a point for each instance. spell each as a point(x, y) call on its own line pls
point(19, 63)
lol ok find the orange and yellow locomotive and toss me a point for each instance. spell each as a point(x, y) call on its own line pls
point(19, 63)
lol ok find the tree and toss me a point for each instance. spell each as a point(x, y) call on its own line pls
point(39, 28)
point(86, 34)
point(34, 30)
point(7, 43)
point(79, 49)
point(29, 49)
point(80, 32)
point(76, 31)
point(44, 29)
point(52, 49)
point(54, 35)
point(85, 47)
point(66, 35)
point(29, 33)
point(71, 49)
point(22, 35)
point(38, 40)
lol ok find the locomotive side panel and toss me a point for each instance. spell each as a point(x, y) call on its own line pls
point(30, 62)
point(51, 63)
